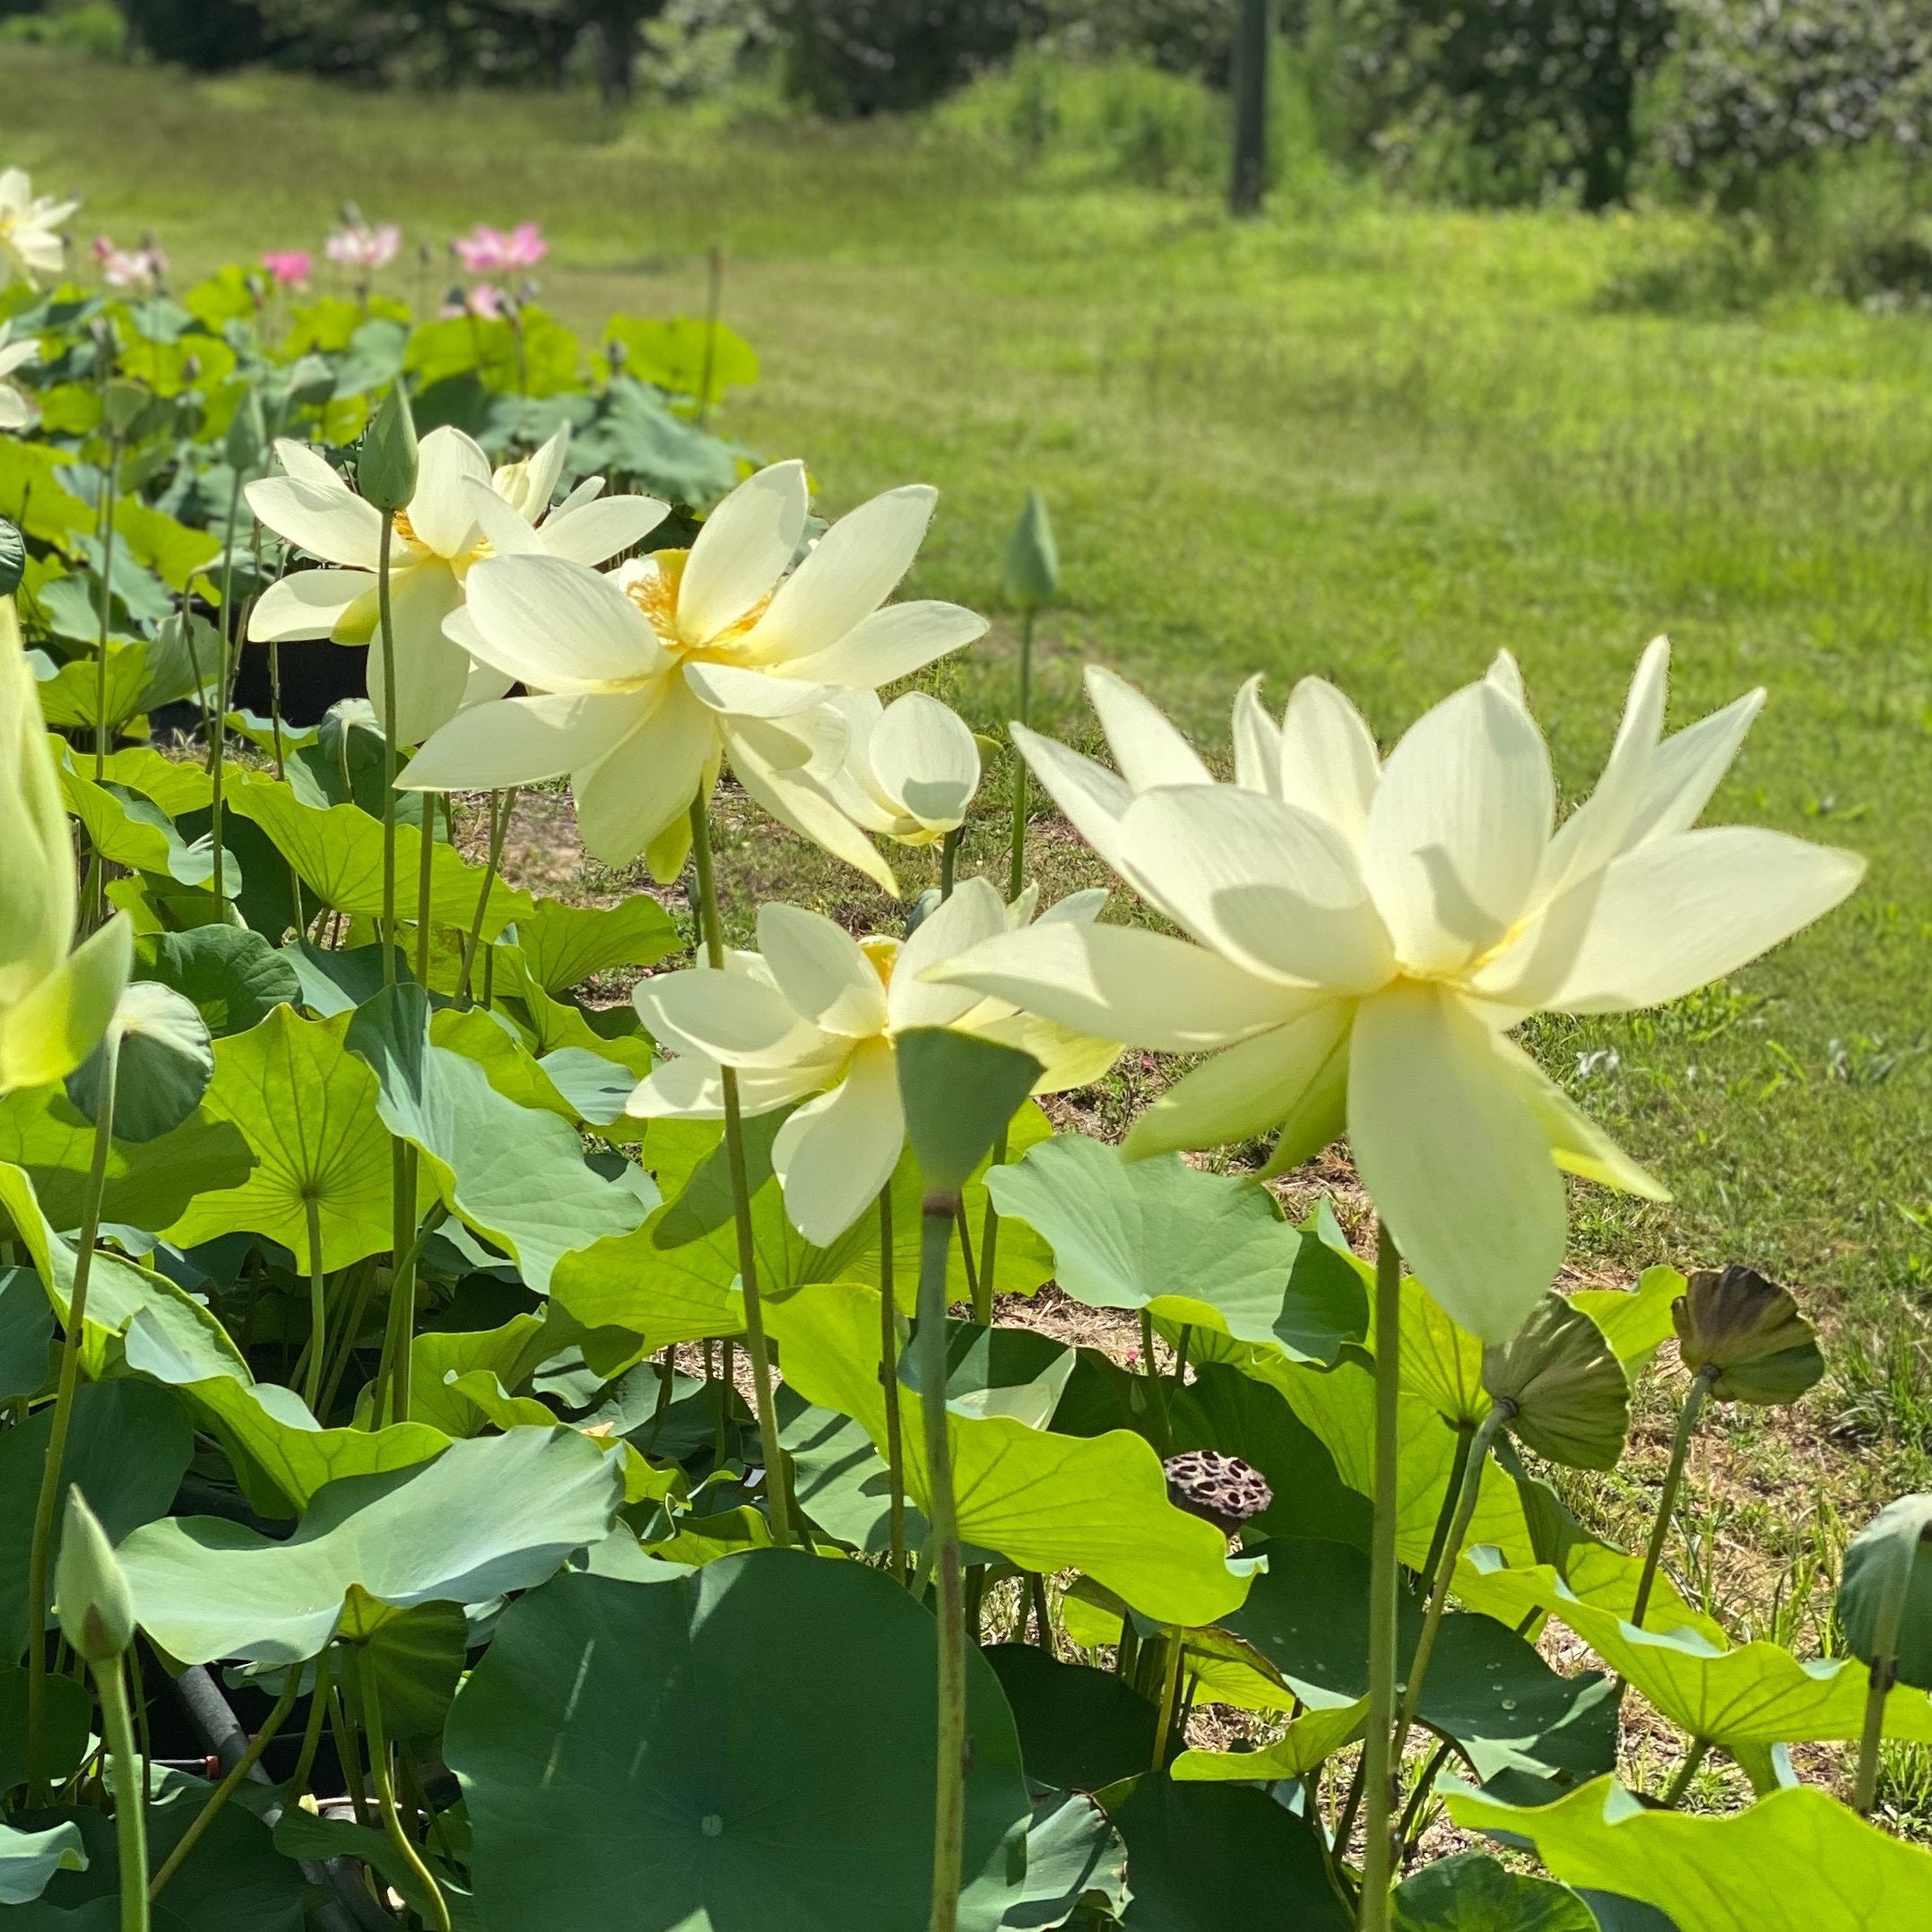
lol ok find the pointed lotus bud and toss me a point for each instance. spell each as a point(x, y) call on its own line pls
point(1032, 557)
point(247, 433)
point(1221, 1490)
point(91, 1593)
point(1744, 1334)
point(386, 467)
point(1884, 1601)
point(1568, 1395)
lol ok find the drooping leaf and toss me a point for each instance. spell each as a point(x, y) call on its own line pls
point(1074, 1858)
point(563, 945)
point(28, 1859)
point(1885, 1597)
point(1320, 1732)
point(26, 1334)
point(1079, 1728)
point(1472, 1892)
point(958, 1093)
point(418, 1656)
point(1749, 1333)
point(166, 1062)
point(1569, 1397)
point(234, 976)
point(1200, 1249)
point(496, 1514)
point(726, 1699)
point(1635, 1321)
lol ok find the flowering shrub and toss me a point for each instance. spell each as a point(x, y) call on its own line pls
point(579, 1443)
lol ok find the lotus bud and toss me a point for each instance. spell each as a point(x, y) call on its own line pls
point(121, 404)
point(1032, 557)
point(247, 433)
point(385, 469)
point(1746, 1337)
point(96, 1606)
point(1885, 1600)
point(1221, 1490)
point(1566, 1393)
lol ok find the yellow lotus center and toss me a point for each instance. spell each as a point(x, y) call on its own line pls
point(884, 954)
point(420, 552)
point(653, 587)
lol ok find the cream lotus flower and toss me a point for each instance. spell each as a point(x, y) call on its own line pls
point(461, 514)
point(652, 675)
point(1365, 934)
point(816, 1012)
point(29, 239)
point(911, 767)
point(16, 407)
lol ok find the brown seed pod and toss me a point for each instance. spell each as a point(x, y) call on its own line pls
point(1221, 1490)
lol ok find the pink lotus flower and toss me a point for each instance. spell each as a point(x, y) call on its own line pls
point(289, 267)
point(489, 251)
point(131, 271)
point(485, 301)
point(360, 245)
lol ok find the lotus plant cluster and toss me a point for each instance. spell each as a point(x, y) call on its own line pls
point(475, 1450)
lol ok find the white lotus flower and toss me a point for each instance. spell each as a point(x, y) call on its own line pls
point(652, 676)
point(16, 406)
point(911, 767)
point(1367, 933)
point(29, 239)
point(816, 1012)
point(460, 514)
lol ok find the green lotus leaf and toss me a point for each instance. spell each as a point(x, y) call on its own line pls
point(129, 1447)
point(594, 1088)
point(337, 852)
point(1755, 1695)
point(1441, 1361)
point(418, 1656)
point(1204, 1250)
point(26, 1334)
point(1569, 1397)
point(563, 945)
point(166, 1062)
point(334, 982)
point(174, 785)
point(70, 694)
point(515, 1174)
point(484, 1037)
point(840, 1481)
point(1316, 1734)
point(958, 1092)
point(1074, 1858)
point(554, 1025)
point(1749, 1330)
point(436, 1354)
point(307, 1107)
point(1207, 1857)
point(1472, 1892)
point(131, 830)
point(1635, 1321)
point(28, 1859)
point(1795, 1858)
point(500, 1513)
point(1080, 1730)
point(234, 976)
point(723, 1703)
point(302, 1835)
point(1884, 1598)
point(1045, 1502)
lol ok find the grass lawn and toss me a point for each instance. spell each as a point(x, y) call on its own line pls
point(1373, 443)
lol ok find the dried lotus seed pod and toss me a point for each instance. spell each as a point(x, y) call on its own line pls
point(1221, 1490)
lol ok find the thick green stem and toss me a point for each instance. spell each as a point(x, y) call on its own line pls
point(112, 490)
point(40, 1549)
point(1157, 1386)
point(1170, 1695)
point(1686, 1771)
point(949, 862)
point(1378, 1755)
point(425, 887)
point(1667, 1502)
point(318, 1711)
point(1017, 869)
point(130, 1794)
point(386, 620)
point(292, 1683)
point(372, 1723)
point(1487, 1432)
point(318, 1311)
point(949, 1827)
point(500, 806)
point(989, 1244)
point(776, 1481)
point(1451, 1497)
point(1884, 1672)
point(889, 1377)
point(223, 680)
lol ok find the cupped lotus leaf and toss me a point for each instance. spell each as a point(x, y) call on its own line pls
point(500, 1513)
point(234, 977)
point(516, 1176)
point(1749, 1332)
point(1045, 1502)
point(1796, 1861)
point(1755, 1695)
point(1080, 1730)
point(1208, 1251)
point(307, 1107)
point(1884, 1599)
point(564, 945)
point(553, 1025)
point(1473, 1893)
point(128, 1449)
point(131, 830)
point(1568, 1395)
point(438, 1354)
point(28, 1859)
point(1313, 1737)
point(70, 695)
point(747, 1750)
point(1635, 1321)
point(337, 852)
point(1207, 1857)
point(177, 786)
point(26, 1334)
point(958, 1093)
point(166, 1062)
point(149, 1184)
point(1074, 1858)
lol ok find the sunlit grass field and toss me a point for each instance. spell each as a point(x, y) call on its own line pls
point(1376, 443)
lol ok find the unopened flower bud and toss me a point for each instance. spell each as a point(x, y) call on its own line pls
point(91, 1593)
point(385, 469)
point(1032, 557)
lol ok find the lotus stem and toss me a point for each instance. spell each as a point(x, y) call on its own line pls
point(318, 1711)
point(971, 1272)
point(217, 736)
point(949, 862)
point(425, 887)
point(501, 804)
point(1471, 1488)
point(989, 1242)
point(1042, 1616)
point(1451, 1496)
point(399, 1340)
point(1157, 1386)
point(40, 1549)
point(1419, 1797)
point(758, 1353)
point(1667, 1502)
point(318, 1312)
point(1686, 1771)
point(109, 494)
point(130, 1796)
point(291, 1684)
point(1170, 1695)
point(1884, 1673)
point(1378, 1755)
point(348, 1750)
point(372, 1723)
point(1016, 870)
point(386, 620)
point(940, 1212)
point(888, 1378)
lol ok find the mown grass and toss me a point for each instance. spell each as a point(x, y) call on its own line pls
point(1353, 438)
